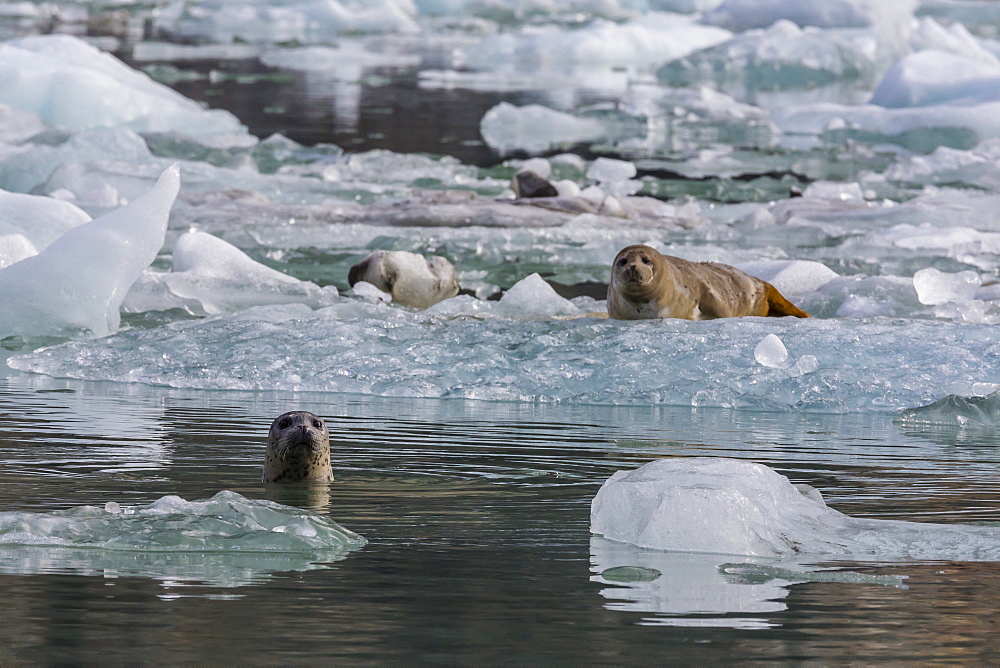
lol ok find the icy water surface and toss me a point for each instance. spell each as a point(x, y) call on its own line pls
point(476, 516)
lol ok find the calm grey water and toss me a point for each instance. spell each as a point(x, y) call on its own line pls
point(477, 515)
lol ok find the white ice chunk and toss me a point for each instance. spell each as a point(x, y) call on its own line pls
point(937, 77)
point(740, 15)
point(534, 128)
point(14, 248)
point(77, 284)
point(17, 125)
point(277, 21)
point(36, 221)
point(211, 276)
point(370, 293)
point(609, 170)
point(793, 278)
point(771, 352)
point(731, 506)
point(601, 46)
point(69, 83)
point(937, 287)
point(532, 296)
point(227, 540)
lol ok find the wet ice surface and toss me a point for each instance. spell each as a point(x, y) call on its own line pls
point(729, 506)
point(474, 353)
point(225, 541)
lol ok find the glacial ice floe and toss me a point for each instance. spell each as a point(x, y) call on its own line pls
point(738, 507)
point(209, 276)
point(68, 83)
point(75, 285)
point(227, 540)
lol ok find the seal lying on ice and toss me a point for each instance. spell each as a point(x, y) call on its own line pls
point(646, 285)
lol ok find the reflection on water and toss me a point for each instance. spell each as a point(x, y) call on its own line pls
point(477, 517)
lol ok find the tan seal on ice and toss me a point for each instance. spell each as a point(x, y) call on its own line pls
point(647, 285)
point(298, 448)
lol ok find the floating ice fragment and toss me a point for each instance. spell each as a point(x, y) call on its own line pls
point(77, 284)
point(608, 170)
point(210, 276)
point(69, 83)
point(225, 541)
point(34, 222)
point(740, 15)
point(771, 352)
point(956, 411)
point(937, 77)
point(532, 296)
point(937, 287)
point(793, 278)
point(730, 506)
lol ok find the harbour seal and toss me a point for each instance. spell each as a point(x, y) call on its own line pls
point(298, 448)
point(647, 285)
point(411, 279)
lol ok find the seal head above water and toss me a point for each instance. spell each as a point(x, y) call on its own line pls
point(298, 448)
point(648, 285)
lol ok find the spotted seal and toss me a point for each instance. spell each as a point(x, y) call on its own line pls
point(647, 285)
point(298, 448)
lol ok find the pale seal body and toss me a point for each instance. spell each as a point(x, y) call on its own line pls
point(647, 285)
point(298, 448)
point(411, 279)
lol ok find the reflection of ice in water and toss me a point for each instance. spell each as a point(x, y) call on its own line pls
point(705, 589)
point(691, 591)
point(225, 541)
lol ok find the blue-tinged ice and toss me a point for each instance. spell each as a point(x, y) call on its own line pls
point(29, 223)
point(738, 507)
point(225, 541)
point(76, 285)
point(977, 412)
point(69, 83)
point(209, 276)
point(479, 350)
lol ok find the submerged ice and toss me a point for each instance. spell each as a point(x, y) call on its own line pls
point(730, 506)
point(225, 541)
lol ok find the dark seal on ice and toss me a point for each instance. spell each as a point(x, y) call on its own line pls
point(298, 448)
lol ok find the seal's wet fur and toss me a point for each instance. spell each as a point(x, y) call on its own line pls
point(298, 448)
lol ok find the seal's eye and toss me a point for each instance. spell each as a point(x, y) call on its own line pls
point(646, 260)
point(318, 424)
point(283, 424)
point(622, 262)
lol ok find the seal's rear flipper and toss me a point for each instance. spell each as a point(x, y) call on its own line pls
point(778, 306)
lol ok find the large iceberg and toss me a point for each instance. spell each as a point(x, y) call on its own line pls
point(76, 285)
point(731, 506)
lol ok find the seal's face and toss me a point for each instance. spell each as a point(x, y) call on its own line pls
point(298, 448)
point(635, 267)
